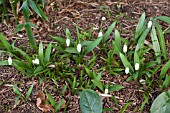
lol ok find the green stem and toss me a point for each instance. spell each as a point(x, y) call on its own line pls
point(5, 11)
point(14, 13)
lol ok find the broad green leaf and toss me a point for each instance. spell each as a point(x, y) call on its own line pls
point(118, 40)
point(161, 104)
point(41, 12)
point(92, 45)
point(125, 62)
point(5, 43)
point(163, 18)
point(4, 63)
point(136, 58)
point(98, 84)
point(24, 55)
point(90, 102)
point(71, 50)
point(161, 39)
point(29, 92)
point(115, 88)
point(16, 90)
point(60, 40)
point(51, 99)
point(108, 32)
point(164, 70)
point(59, 105)
point(141, 40)
point(30, 36)
point(34, 7)
point(32, 25)
point(18, 28)
point(41, 53)
point(48, 53)
point(140, 26)
point(25, 11)
point(156, 46)
point(125, 107)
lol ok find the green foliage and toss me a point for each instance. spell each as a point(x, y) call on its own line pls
point(90, 102)
point(161, 104)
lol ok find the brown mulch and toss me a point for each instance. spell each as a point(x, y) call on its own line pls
point(86, 14)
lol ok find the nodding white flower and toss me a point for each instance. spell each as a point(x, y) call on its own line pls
point(106, 91)
point(142, 81)
point(79, 48)
point(137, 66)
point(100, 34)
point(126, 70)
point(67, 42)
point(125, 48)
point(149, 24)
point(103, 18)
point(10, 61)
point(36, 61)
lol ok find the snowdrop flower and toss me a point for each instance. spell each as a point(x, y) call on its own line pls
point(137, 66)
point(149, 24)
point(125, 48)
point(10, 61)
point(67, 42)
point(106, 91)
point(142, 81)
point(100, 34)
point(103, 18)
point(79, 48)
point(126, 70)
point(36, 61)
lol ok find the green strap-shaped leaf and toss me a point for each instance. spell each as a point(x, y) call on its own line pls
point(60, 40)
point(164, 70)
point(136, 58)
point(5, 43)
point(140, 26)
point(30, 36)
point(156, 45)
point(125, 62)
point(29, 92)
point(141, 40)
point(163, 18)
point(161, 39)
point(48, 53)
point(18, 28)
point(34, 7)
point(98, 84)
point(41, 53)
point(25, 11)
point(4, 63)
point(115, 87)
point(90, 102)
point(92, 45)
point(108, 32)
point(118, 40)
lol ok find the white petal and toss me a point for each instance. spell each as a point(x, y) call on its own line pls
point(37, 61)
point(79, 48)
point(103, 18)
point(142, 81)
point(100, 34)
point(67, 42)
point(10, 61)
point(126, 70)
point(137, 66)
point(149, 24)
point(125, 48)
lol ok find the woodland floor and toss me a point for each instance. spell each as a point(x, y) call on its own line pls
point(64, 14)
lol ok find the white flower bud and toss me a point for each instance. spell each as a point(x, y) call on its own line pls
point(36, 61)
point(100, 34)
point(106, 91)
point(67, 42)
point(137, 66)
point(10, 61)
point(126, 70)
point(149, 24)
point(79, 48)
point(103, 18)
point(142, 81)
point(125, 48)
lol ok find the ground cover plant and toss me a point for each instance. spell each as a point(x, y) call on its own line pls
point(72, 62)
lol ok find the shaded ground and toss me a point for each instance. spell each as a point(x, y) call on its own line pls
point(86, 14)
